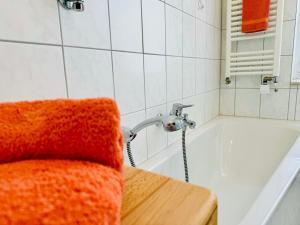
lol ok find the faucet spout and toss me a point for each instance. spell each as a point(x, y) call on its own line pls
point(130, 134)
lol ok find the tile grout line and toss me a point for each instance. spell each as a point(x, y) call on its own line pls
point(63, 51)
point(182, 77)
point(111, 52)
point(221, 53)
point(207, 23)
point(144, 73)
point(101, 49)
point(166, 61)
point(261, 77)
point(288, 112)
point(30, 42)
point(152, 107)
point(296, 103)
point(234, 110)
point(195, 54)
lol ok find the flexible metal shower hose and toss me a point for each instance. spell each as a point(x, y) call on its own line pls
point(186, 170)
point(128, 147)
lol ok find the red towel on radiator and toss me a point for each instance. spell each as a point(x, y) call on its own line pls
point(255, 16)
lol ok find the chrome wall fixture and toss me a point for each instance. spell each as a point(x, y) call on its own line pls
point(76, 5)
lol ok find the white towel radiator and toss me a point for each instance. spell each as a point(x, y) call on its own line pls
point(264, 62)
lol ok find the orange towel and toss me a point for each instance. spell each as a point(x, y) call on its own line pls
point(62, 129)
point(255, 15)
point(59, 192)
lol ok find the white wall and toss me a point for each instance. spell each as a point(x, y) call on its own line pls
point(147, 54)
point(243, 98)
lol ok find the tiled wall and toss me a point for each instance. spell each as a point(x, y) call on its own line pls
point(243, 98)
point(147, 54)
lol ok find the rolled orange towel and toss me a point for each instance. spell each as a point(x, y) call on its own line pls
point(255, 15)
point(59, 192)
point(62, 129)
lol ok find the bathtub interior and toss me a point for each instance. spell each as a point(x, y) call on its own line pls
point(235, 160)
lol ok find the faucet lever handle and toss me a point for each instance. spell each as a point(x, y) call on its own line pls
point(178, 107)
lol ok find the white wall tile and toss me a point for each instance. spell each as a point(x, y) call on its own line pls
point(292, 104)
point(30, 72)
point(224, 13)
point(288, 37)
point(154, 26)
point(89, 73)
point(173, 31)
point(213, 42)
point(217, 39)
point(202, 109)
point(275, 105)
point(89, 28)
point(223, 50)
point(139, 144)
point(284, 78)
point(297, 116)
point(213, 74)
point(174, 78)
point(31, 20)
point(157, 138)
point(155, 80)
point(201, 39)
point(129, 81)
point(290, 9)
point(189, 77)
point(215, 101)
point(175, 3)
point(189, 36)
point(210, 45)
point(126, 25)
point(247, 102)
point(201, 9)
point(189, 6)
point(227, 98)
point(201, 75)
point(214, 13)
point(248, 81)
point(210, 105)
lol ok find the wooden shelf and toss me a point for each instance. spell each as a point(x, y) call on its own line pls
point(151, 199)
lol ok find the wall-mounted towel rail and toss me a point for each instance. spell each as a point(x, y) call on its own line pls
point(254, 62)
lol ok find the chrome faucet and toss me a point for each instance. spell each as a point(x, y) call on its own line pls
point(267, 79)
point(172, 121)
point(76, 5)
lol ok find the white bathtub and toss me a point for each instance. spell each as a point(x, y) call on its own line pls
point(249, 163)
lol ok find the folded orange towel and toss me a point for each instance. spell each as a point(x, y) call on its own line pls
point(59, 192)
point(255, 15)
point(62, 129)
